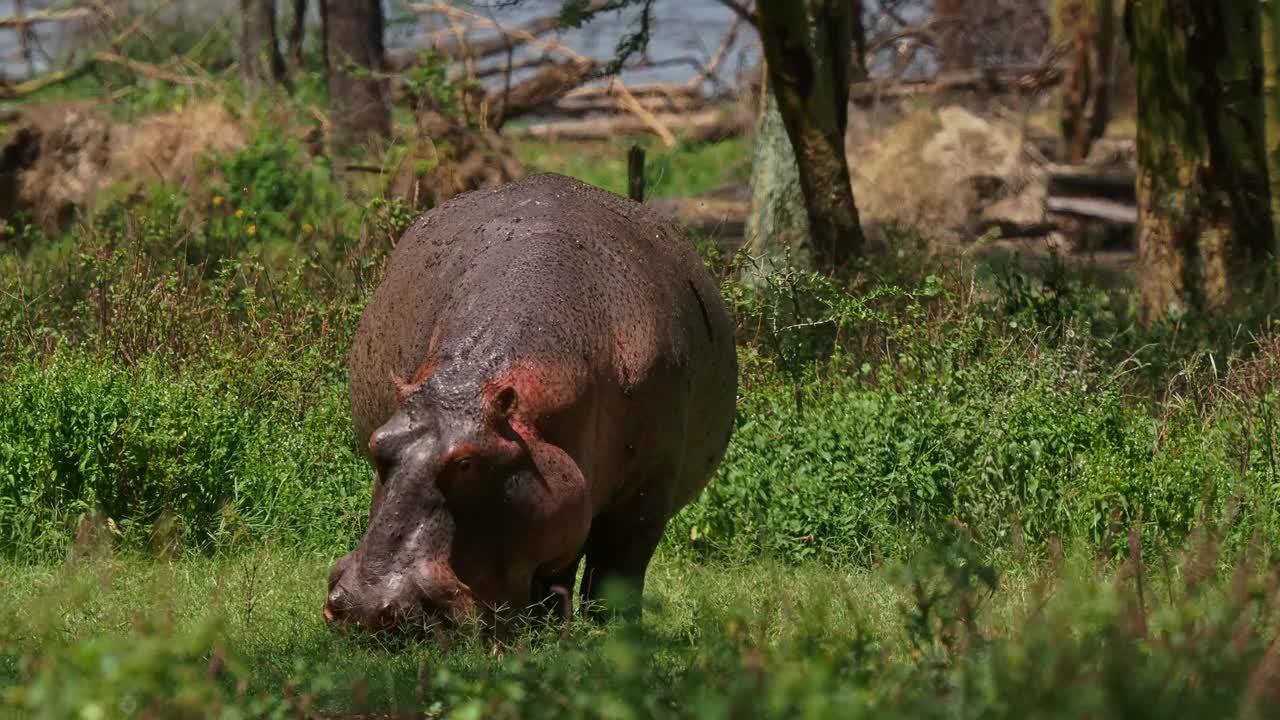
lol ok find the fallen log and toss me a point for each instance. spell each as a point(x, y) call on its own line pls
point(504, 40)
point(704, 126)
point(990, 81)
point(1085, 192)
point(570, 108)
point(610, 90)
point(1098, 210)
point(45, 16)
point(55, 77)
point(539, 91)
point(1083, 181)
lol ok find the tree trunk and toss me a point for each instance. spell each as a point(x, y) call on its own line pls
point(956, 47)
point(1271, 98)
point(297, 33)
point(807, 48)
point(1088, 27)
point(359, 102)
point(777, 221)
point(858, 71)
point(260, 61)
point(1205, 236)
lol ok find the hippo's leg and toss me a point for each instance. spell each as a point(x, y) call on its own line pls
point(553, 594)
point(618, 556)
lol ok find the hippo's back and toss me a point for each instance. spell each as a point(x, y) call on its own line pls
point(548, 267)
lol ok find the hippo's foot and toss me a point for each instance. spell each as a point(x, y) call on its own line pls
point(617, 559)
point(553, 595)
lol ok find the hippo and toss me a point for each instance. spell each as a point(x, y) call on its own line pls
point(544, 377)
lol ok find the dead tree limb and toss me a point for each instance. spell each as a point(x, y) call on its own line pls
point(717, 59)
point(404, 59)
point(703, 126)
point(1009, 79)
point(44, 16)
point(297, 32)
point(741, 10)
point(539, 91)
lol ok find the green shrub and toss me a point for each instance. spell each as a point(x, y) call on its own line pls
point(211, 453)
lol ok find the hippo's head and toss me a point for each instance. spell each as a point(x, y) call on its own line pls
point(470, 505)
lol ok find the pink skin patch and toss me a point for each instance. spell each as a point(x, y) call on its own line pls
point(539, 389)
point(562, 509)
point(405, 389)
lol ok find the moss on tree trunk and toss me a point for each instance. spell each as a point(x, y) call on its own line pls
point(807, 47)
point(1205, 237)
point(777, 221)
point(1271, 97)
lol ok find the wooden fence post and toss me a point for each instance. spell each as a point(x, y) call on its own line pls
point(635, 173)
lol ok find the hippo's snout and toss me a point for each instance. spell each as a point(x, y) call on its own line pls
point(424, 597)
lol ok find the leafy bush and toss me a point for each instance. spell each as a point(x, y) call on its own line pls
point(211, 453)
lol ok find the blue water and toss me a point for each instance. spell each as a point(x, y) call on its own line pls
point(680, 28)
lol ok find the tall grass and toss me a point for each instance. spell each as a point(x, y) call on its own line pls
point(180, 366)
point(943, 496)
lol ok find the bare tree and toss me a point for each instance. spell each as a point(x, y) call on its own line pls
point(297, 33)
point(1087, 27)
point(359, 102)
point(952, 24)
point(260, 60)
point(975, 33)
point(858, 70)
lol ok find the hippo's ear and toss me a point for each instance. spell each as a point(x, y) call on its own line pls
point(403, 389)
point(504, 404)
point(562, 499)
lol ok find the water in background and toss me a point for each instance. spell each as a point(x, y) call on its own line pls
point(680, 29)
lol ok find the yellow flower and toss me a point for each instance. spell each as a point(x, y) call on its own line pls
point(308, 228)
point(217, 201)
point(240, 214)
point(253, 229)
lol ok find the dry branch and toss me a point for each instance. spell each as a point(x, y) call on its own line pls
point(1108, 211)
point(704, 126)
point(48, 80)
point(539, 91)
point(570, 108)
point(1084, 192)
point(137, 66)
point(720, 54)
point(44, 16)
point(993, 81)
point(1086, 181)
point(153, 71)
point(504, 68)
point(405, 59)
point(625, 99)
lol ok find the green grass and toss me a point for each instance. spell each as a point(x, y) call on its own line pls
point(941, 637)
point(913, 446)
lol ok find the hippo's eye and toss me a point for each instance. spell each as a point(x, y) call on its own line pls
point(463, 465)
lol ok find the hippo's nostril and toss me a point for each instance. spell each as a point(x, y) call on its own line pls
point(337, 604)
